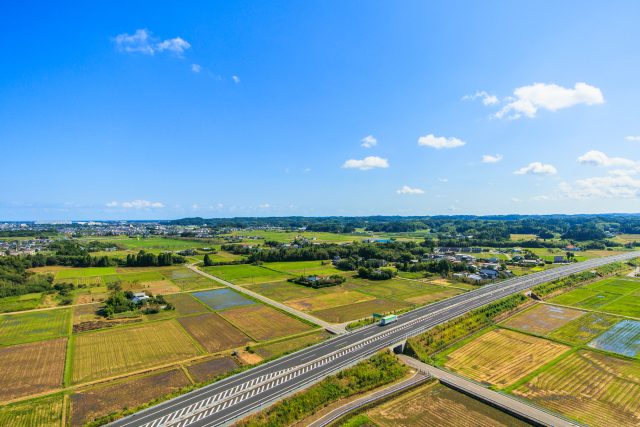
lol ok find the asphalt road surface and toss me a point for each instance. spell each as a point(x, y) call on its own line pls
point(233, 398)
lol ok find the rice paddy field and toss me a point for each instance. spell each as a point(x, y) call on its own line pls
point(186, 304)
point(434, 404)
point(118, 351)
point(45, 412)
point(20, 302)
point(594, 388)
point(500, 357)
point(616, 295)
point(213, 332)
point(304, 268)
point(359, 310)
point(584, 328)
point(32, 368)
point(623, 338)
point(264, 323)
point(34, 326)
point(219, 299)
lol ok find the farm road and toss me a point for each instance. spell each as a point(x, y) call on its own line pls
point(334, 329)
point(514, 406)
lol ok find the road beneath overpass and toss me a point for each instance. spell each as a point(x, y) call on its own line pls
point(232, 398)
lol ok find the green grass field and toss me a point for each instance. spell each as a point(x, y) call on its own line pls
point(614, 295)
point(284, 291)
point(304, 268)
point(245, 274)
point(85, 272)
point(156, 243)
point(287, 236)
point(35, 326)
point(401, 290)
point(585, 328)
point(20, 303)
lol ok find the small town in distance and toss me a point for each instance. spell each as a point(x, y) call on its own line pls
point(319, 214)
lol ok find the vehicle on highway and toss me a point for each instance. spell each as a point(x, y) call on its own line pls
point(391, 318)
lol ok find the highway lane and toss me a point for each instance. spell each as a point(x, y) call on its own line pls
point(227, 400)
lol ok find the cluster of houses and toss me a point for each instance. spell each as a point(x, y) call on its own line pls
point(23, 247)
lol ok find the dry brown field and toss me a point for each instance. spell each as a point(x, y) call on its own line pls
point(155, 287)
point(31, 368)
point(264, 323)
point(594, 388)
point(500, 357)
point(86, 313)
point(213, 332)
point(91, 298)
point(97, 402)
point(209, 369)
point(325, 301)
point(437, 405)
point(543, 319)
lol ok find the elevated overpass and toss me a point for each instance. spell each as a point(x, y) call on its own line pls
point(232, 398)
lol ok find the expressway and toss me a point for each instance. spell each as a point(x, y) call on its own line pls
point(232, 398)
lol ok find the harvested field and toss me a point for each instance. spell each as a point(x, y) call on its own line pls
point(210, 369)
point(434, 296)
point(623, 338)
point(437, 405)
point(264, 323)
point(401, 289)
point(245, 274)
point(219, 299)
point(186, 304)
point(97, 402)
point(542, 318)
point(85, 313)
point(101, 324)
point(213, 332)
point(284, 291)
point(585, 328)
point(155, 287)
point(249, 358)
point(36, 326)
point(337, 298)
point(117, 351)
point(45, 412)
point(359, 310)
point(91, 298)
point(139, 276)
point(31, 368)
point(591, 387)
point(500, 357)
point(88, 281)
point(279, 348)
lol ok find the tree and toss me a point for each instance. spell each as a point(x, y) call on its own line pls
point(207, 260)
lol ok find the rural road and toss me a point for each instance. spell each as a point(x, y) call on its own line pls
point(504, 402)
point(335, 329)
point(635, 273)
point(235, 397)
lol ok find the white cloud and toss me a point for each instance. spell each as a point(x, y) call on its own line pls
point(236, 79)
point(196, 68)
point(515, 200)
point(537, 168)
point(485, 97)
point(598, 158)
point(613, 186)
point(488, 158)
point(633, 138)
point(369, 162)
point(136, 204)
point(142, 41)
point(527, 100)
point(408, 190)
point(443, 179)
point(439, 142)
point(369, 141)
point(264, 206)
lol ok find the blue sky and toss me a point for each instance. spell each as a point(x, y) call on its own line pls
point(112, 110)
